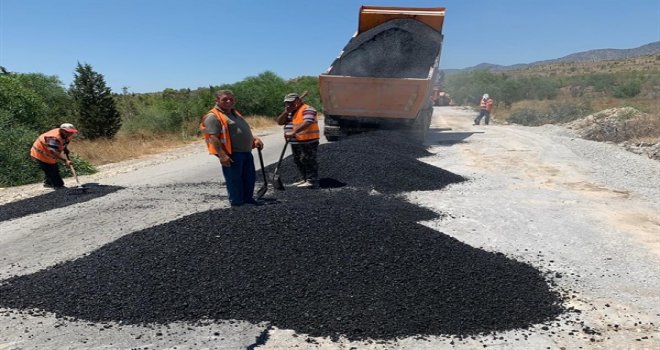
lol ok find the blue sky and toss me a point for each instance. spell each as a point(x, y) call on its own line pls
point(148, 45)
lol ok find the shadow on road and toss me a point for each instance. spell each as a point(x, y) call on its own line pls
point(52, 200)
point(446, 137)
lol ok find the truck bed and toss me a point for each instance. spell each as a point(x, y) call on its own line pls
point(373, 97)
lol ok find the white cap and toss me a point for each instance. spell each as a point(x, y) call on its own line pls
point(68, 127)
point(485, 96)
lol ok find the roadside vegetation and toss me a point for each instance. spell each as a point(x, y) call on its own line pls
point(121, 125)
point(115, 127)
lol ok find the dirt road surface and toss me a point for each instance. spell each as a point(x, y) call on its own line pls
point(588, 213)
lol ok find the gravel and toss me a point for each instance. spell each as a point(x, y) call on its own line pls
point(345, 260)
point(613, 166)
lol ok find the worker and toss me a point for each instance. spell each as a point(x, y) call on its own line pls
point(301, 128)
point(229, 137)
point(51, 147)
point(485, 108)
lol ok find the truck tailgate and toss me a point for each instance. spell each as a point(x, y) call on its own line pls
point(373, 97)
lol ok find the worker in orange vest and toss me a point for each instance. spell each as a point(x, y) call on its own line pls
point(229, 137)
point(50, 148)
point(485, 108)
point(301, 128)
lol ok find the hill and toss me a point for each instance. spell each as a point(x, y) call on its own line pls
point(598, 55)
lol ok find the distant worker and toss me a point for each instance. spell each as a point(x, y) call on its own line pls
point(301, 128)
point(485, 107)
point(229, 137)
point(50, 148)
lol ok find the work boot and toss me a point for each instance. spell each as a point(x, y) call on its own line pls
point(254, 202)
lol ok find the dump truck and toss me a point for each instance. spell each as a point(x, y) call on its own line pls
point(384, 77)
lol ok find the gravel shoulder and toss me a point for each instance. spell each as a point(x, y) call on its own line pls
point(585, 211)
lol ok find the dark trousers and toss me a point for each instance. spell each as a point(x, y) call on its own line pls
point(52, 172)
point(304, 155)
point(483, 113)
point(240, 178)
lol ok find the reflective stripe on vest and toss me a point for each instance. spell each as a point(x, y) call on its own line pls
point(41, 151)
point(310, 133)
point(223, 135)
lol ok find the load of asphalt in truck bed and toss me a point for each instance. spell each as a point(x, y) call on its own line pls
point(344, 261)
point(400, 48)
point(53, 200)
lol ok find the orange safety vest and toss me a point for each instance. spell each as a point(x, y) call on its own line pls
point(310, 133)
point(223, 136)
point(41, 151)
point(486, 104)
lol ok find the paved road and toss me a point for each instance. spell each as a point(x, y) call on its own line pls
point(531, 196)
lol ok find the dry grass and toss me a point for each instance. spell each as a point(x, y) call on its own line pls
point(646, 105)
point(123, 147)
point(649, 63)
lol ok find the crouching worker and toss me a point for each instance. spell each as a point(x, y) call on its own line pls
point(50, 148)
point(229, 137)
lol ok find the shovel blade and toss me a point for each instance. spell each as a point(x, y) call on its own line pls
point(262, 191)
point(277, 183)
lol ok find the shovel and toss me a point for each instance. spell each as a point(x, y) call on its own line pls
point(81, 188)
point(263, 188)
point(277, 181)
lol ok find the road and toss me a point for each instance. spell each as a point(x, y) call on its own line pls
point(590, 218)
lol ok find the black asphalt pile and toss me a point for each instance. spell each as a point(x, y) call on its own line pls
point(382, 160)
point(400, 48)
point(53, 200)
point(327, 262)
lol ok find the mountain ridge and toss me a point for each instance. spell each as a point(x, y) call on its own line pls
point(583, 56)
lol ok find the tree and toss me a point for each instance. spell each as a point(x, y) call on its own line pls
point(51, 91)
point(94, 105)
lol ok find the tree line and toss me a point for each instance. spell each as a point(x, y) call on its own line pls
point(33, 103)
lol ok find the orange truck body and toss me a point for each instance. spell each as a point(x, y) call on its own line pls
point(352, 102)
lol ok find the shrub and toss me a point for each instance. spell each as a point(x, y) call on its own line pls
point(628, 89)
point(18, 167)
point(21, 105)
point(529, 117)
point(557, 113)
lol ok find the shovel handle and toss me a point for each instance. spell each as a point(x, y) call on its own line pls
point(261, 162)
point(73, 171)
point(277, 168)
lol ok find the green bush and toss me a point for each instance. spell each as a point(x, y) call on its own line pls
point(22, 105)
point(529, 117)
point(18, 167)
point(628, 89)
point(558, 113)
point(260, 95)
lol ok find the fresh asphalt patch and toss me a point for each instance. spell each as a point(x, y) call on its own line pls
point(347, 261)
